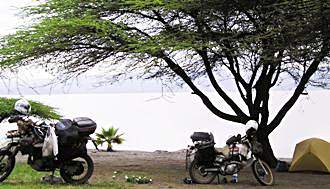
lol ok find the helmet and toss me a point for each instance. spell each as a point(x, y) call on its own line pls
point(23, 106)
point(252, 124)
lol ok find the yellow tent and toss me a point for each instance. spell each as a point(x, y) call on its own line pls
point(311, 155)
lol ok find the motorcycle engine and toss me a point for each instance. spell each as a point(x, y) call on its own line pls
point(219, 159)
point(231, 169)
point(42, 164)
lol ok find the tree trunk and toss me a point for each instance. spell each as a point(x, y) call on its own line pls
point(268, 154)
point(109, 148)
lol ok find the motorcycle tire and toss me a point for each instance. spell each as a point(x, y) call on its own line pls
point(69, 178)
point(199, 176)
point(263, 173)
point(8, 167)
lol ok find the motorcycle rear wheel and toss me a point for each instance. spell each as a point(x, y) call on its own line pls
point(198, 175)
point(263, 173)
point(83, 175)
point(7, 164)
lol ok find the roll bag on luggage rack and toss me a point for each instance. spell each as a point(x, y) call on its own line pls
point(205, 154)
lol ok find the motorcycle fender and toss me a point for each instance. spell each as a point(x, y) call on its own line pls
point(5, 151)
point(249, 162)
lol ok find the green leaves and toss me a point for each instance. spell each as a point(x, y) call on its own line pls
point(138, 179)
point(128, 35)
point(37, 109)
point(109, 136)
point(89, 28)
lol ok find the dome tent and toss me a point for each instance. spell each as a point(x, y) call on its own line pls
point(311, 155)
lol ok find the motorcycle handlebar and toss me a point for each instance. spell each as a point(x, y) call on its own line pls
point(14, 119)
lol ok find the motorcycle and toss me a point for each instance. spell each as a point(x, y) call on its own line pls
point(204, 162)
point(74, 164)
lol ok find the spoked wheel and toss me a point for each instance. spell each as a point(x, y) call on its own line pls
point(78, 170)
point(263, 173)
point(7, 164)
point(199, 175)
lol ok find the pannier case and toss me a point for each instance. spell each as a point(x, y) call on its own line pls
point(85, 125)
point(66, 132)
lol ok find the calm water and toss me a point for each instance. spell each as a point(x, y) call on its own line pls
point(151, 121)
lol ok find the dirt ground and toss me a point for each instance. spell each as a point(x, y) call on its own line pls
point(167, 169)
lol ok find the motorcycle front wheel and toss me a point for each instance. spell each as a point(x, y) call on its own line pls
point(262, 173)
point(7, 164)
point(199, 175)
point(78, 170)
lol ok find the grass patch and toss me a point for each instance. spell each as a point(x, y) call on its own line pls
point(23, 176)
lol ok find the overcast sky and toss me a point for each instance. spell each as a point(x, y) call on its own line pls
point(9, 18)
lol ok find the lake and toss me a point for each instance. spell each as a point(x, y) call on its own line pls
point(155, 121)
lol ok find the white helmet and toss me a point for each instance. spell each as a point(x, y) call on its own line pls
point(251, 124)
point(23, 106)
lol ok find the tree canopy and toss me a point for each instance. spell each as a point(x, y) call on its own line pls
point(256, 44)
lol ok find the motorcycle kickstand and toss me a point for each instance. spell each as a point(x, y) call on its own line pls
point(52, 177)
point(218, 176)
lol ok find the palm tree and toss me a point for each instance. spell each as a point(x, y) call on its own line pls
point(109, 136)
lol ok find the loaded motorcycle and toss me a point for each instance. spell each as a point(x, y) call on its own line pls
point(73, 162)
point(204, 162)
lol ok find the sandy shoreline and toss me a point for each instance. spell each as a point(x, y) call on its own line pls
point(167, 169)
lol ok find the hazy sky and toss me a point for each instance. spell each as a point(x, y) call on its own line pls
point(9, 18)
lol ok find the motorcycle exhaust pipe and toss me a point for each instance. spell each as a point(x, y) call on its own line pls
point(212, 170)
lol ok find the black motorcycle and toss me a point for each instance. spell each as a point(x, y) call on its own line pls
point(204, 162)
point(73, 162)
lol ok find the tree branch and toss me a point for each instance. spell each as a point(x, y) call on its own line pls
point(277, 75)
point(216, 86)
point(300, 88)
point(260, 87)
point(180, 72)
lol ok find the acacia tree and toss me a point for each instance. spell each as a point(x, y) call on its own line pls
point(258, 44)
